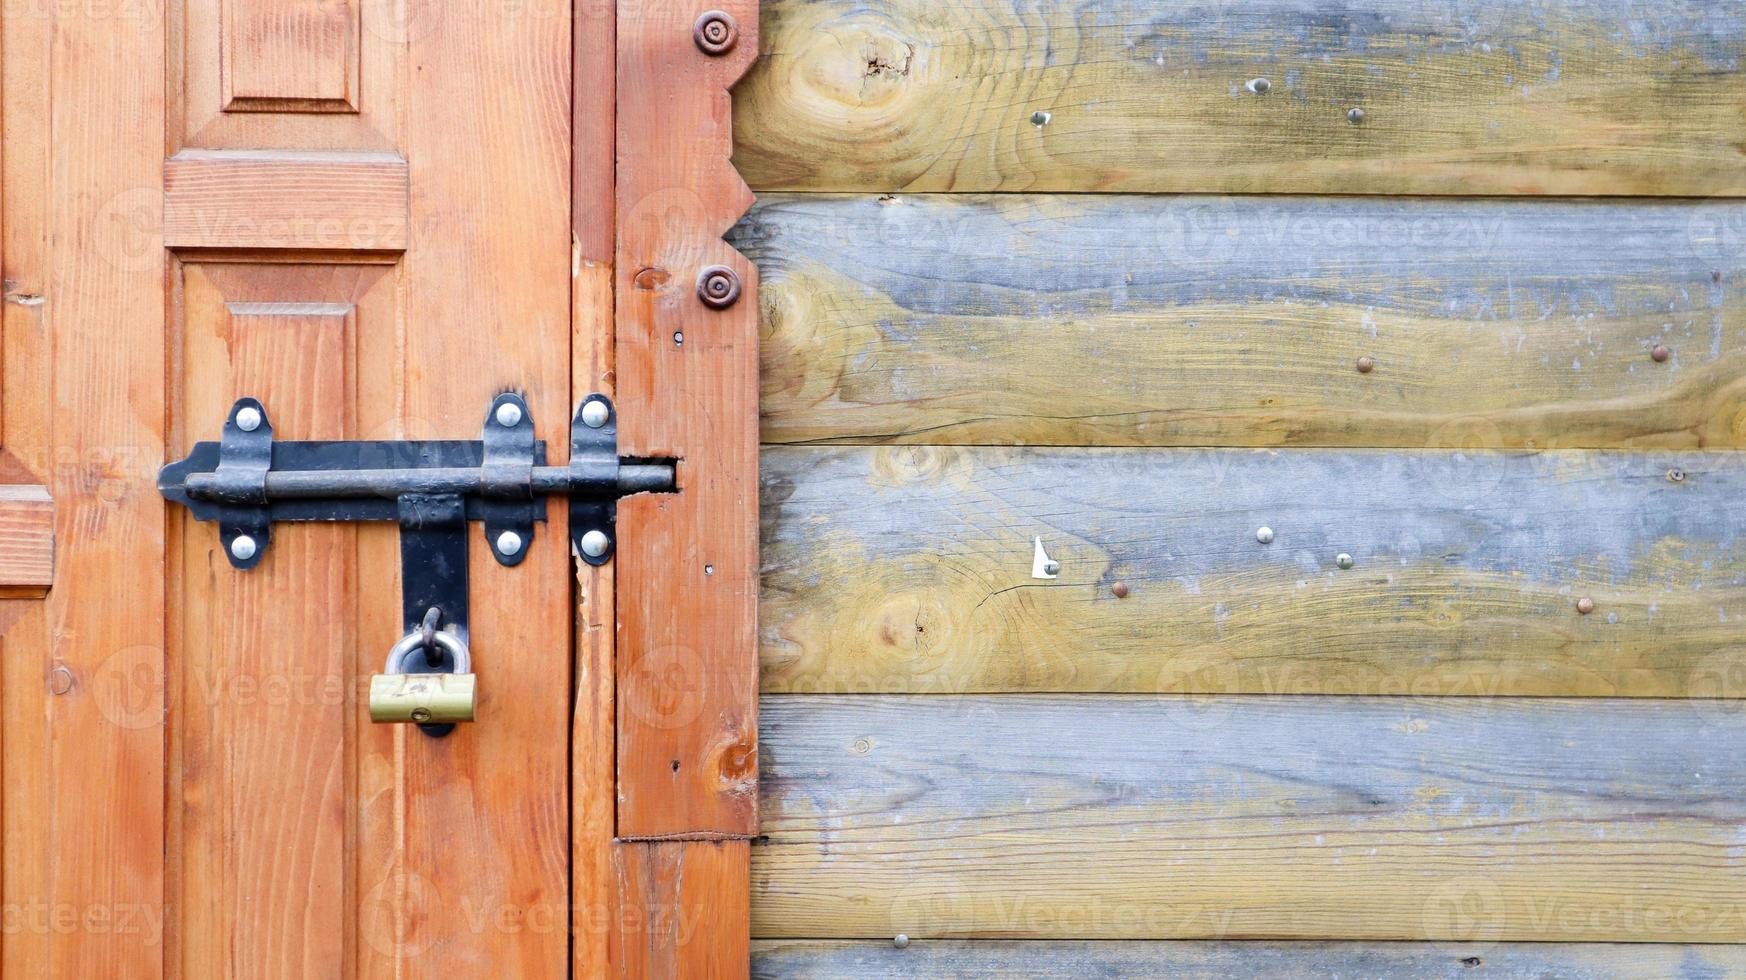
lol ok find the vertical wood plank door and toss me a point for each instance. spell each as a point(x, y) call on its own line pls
point(374, 218)
point(360, 214)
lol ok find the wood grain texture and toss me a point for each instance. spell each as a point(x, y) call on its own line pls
point(683, 915)
point(290, 56)
point(1016, 960)
point(593, 746)
point(687, 387)
point(483, 826)
point(27, 665)
point(27, 540)
point(290, 75)
point(1565, 97)
point(1121, 320)
point(890, 570)
point(285, 200)
point(1109, 817)
point(265, 661)
point(100, 830)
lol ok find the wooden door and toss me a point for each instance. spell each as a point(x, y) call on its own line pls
point(373, 217)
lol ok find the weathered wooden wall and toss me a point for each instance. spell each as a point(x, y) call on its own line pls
point(1201, 321)
point(1487, 97)
point(1078, 273)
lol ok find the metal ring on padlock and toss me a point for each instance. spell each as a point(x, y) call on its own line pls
point(453, 645)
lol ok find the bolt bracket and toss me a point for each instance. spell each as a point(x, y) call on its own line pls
point(246, 482)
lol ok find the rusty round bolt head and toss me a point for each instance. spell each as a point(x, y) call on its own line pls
point(1366, 364)
point(716, 32)
point(1120, 589)
point(1660, 353)
point(718, 287)
point(1585, 605)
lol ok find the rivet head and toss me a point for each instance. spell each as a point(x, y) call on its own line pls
point(509, 543)
point(595, 413)
point(1354, 116)
point(509, 415)
point(718, 287)
point(1660, 353)
point(716, 32)
point(1366, 364)
point(900, 940)
point(1585, 605)
point(1260, 86)
point(243, 547)
point(595, 543)
point(1264, 535)
point(1120, 589)
point(1343, 560)
point(248, 418)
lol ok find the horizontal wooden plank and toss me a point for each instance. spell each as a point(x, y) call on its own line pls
point(282, 199)
point(1013, 960)
point(1490, 97)
point(910, 569)
point(1205, 321)
point(1133, 817)
point(27, 541)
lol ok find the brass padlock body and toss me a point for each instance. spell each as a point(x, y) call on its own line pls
point(425, 699)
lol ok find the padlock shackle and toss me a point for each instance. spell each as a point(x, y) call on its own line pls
point(453, 645)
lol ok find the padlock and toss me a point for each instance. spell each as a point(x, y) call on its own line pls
point(424, 699)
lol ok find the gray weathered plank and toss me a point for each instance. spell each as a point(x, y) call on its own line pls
point(1636, 97)
point(1128, 817)
point(909, 569)
point(1025, 960)
point(1206, 321)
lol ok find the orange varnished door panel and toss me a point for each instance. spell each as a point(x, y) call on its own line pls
point(359, 213)
point(406, 260)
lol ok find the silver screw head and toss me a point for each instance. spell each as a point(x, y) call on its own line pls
point(1040, 118)
point(243, 547)
point(509, 415)
point(1355, 116)
point(595, 543)
point(595, 413)
point(1052, 567)
point(1343, 560)
point(1260, 86)
point(509, 543)
point(900, 940)
point(248, 418)
point(1264, 535)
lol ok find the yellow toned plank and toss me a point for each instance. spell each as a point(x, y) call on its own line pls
point(891, 570)
point(1017, 960)
point(1206, 321)
point(1475, 820)
point(1563, 97)
point(27, 541)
